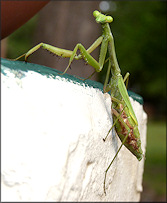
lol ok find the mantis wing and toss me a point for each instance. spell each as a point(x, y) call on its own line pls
point(125, 97)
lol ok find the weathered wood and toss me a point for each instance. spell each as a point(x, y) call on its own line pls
point(52, 140)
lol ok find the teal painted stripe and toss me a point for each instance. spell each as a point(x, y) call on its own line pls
point(50, 72)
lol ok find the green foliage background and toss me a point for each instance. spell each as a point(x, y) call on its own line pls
point(154, 179)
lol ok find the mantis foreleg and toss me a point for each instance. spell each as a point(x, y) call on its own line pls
point(87, 57)
point(85, 54)
point(92, 47)
point(105, 88)
point(52, 49)
point(60, 52)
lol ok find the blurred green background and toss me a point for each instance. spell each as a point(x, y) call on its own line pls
point(139, 30)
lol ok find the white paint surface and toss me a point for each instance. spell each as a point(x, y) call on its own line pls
point(52, 143)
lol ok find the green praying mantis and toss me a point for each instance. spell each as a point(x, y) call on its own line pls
point(124, 118)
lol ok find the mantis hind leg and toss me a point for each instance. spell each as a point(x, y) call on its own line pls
point(113, 160)
point(123, 142)
point(118, 117)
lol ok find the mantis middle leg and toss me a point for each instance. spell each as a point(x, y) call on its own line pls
point(107, 87)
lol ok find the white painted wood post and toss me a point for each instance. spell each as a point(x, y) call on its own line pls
point(52, 140)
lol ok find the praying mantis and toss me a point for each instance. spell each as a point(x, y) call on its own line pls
point(124, 118)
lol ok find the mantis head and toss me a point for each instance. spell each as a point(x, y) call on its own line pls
point(100, 18)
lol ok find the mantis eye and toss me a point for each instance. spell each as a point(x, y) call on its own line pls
point(109, 19)
point(96, 13)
